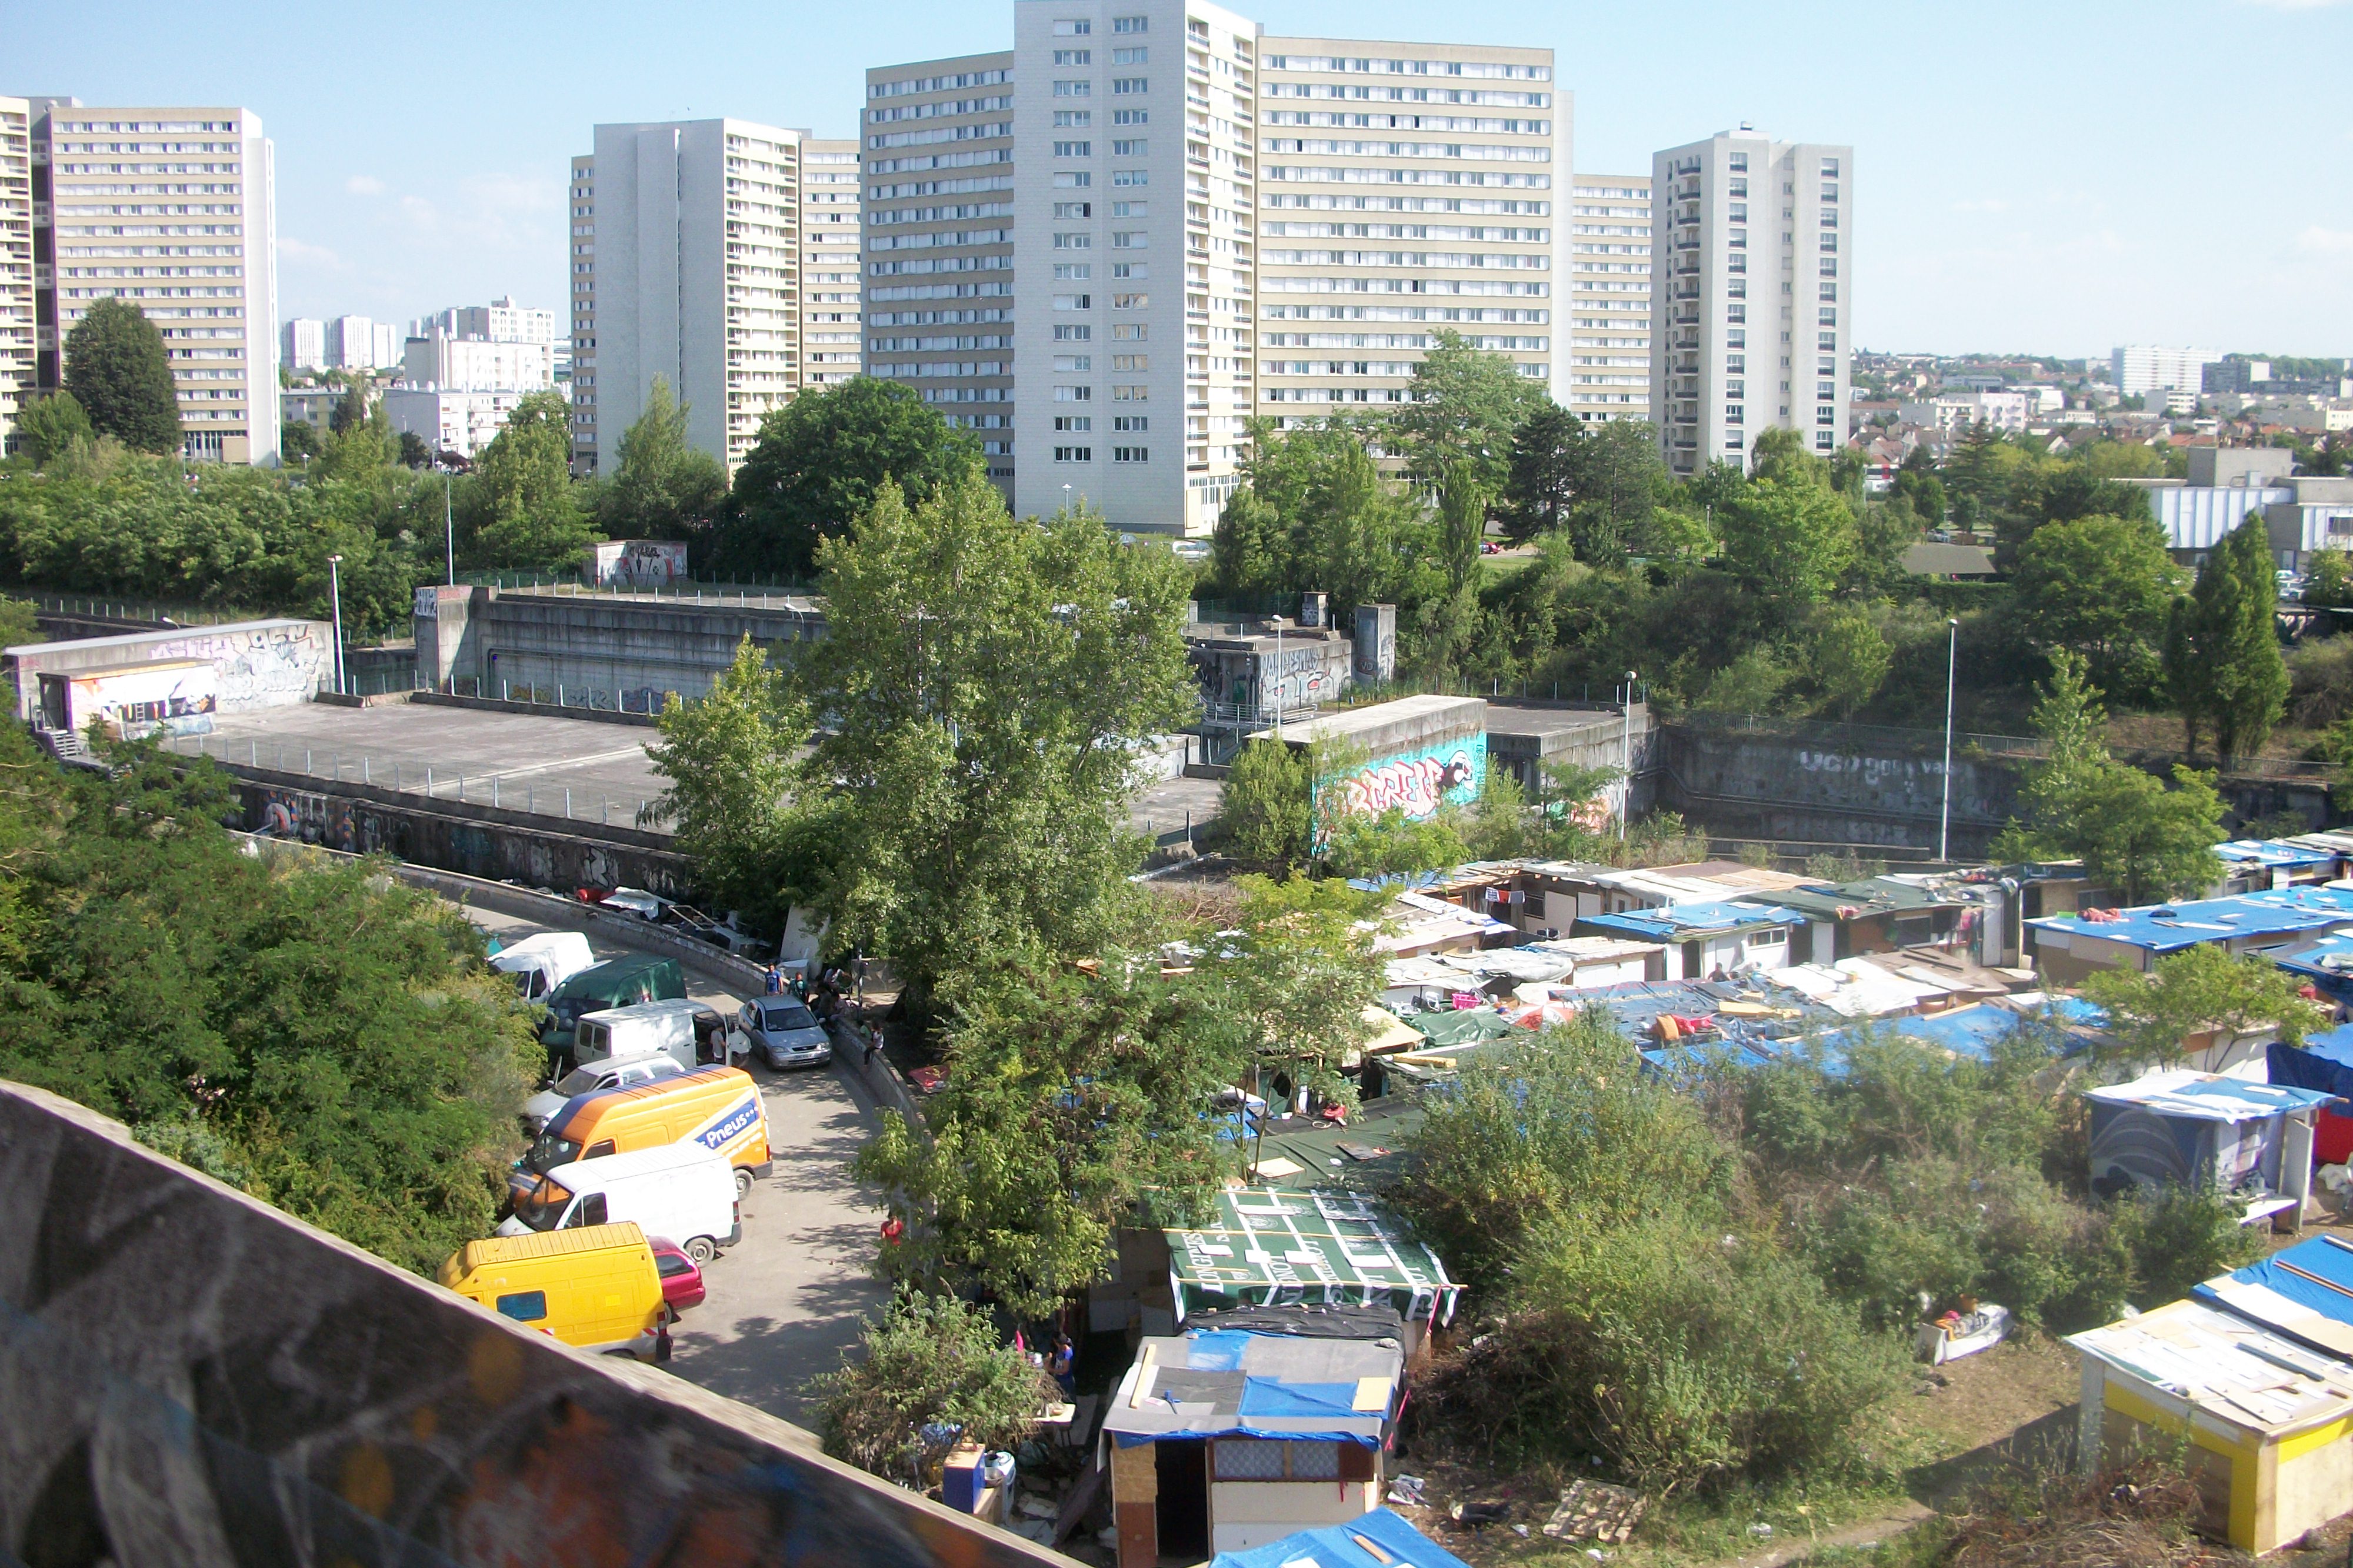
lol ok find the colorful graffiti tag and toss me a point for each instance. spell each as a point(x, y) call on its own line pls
point(1448, 774)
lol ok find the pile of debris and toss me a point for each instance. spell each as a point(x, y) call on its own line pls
point(2143, 1517)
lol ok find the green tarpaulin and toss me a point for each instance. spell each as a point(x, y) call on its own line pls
point(1269, 1247)
point(1464, 1028)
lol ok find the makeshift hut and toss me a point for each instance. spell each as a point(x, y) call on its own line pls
point(2267, 1418)
point(2175, 1126)
point(1224, 1439)
point(2323, 1062)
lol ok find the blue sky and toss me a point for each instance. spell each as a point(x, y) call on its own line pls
point(2055, 177)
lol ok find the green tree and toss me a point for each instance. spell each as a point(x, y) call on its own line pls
point(334, 1045)
point(819, 461)
point(2200, 990)
point(989, 685)
point(2328, 579)
point(48, 427)
point(1391, 843)
point(1849, 657)
point(729, 758)
point(2221, 657)
point(414, 453)
point(351, 410)
point(1787, 535)
point(2100, 587)
point(298, 441)
point(1465, 407)
point(664, 486)
point(1543, 482)
point(926, 1359)
point(523, 478)
point(1264, 804)
point(1600, 481)
point(2132, 833)
point(117, 370)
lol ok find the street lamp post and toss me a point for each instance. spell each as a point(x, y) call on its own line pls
point(1626, 714)
point(335, 594)
point(448, 529)
point(1066, 497)
point(1945, 815)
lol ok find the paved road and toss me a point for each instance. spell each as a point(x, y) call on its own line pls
point(786, 1300)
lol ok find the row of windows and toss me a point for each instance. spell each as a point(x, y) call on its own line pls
point(1087, 454)
point(1084, 424)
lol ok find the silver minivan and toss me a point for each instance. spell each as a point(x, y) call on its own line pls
point(784, 1033)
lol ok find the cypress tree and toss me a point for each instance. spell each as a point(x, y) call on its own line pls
point(2222, 647)
point(116, 369)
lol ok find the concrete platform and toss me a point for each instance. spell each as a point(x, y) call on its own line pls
point(525, 760)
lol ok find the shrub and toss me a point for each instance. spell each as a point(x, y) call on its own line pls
point(2176, 1238)
point(1681, 1355)
point(928, 1359)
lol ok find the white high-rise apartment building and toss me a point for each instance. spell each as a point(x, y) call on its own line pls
point(1752, 302)
point(1210, 225)
point(1132, 328)
point(2144, 367)
point(17, 312)
point(938, 144)
point(830, 350)
point(1609, 306)
point(356, 342)
point(174, 209)
point(1403, 189)
point(477, 364)
point(500, 321)
point(686, 264)
point(302, 344)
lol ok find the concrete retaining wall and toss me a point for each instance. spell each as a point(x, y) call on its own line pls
point(490, 640)
point(189, 1376)
point(458, 835)
point(1788, 787)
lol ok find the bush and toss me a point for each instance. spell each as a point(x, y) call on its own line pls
point(927, 1359)
point(1564, 1123)
point(2320, 682)
point(1681, 1354)
point(2177, 1238)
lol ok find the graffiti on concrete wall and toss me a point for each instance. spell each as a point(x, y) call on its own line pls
point(307, 818)
point(638, 563)
point(1417, 783)
point(256, 667)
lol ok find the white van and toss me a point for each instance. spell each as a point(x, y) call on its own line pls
point(542, 962)
point(673, 1030)
point(619, 1072)
point(684, 1191)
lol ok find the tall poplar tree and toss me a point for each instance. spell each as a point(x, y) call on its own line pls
point(2222, 659)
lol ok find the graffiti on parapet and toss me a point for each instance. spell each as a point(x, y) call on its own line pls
point(1451, 773)
point(309, 818)
point(255, 668)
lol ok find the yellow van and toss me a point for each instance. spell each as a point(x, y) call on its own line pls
point(717, 1107)
point(596, 1286)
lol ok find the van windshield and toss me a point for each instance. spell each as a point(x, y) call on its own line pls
point(550, 1152)
point(543, 1206)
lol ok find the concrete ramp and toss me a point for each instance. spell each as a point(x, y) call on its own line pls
point(188, 1377)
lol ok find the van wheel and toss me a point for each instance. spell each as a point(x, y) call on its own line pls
point(702, 1249)
point(743, 1182)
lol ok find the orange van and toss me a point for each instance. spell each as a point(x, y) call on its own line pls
point(717, 1107)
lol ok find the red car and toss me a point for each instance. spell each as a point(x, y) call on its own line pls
point(682, 1280)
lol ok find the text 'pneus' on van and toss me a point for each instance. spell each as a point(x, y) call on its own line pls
point(719, 1108)
point(595, 1288)
point(685, 1192)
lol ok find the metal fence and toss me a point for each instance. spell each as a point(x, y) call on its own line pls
point(114, 609)
point(408, 776)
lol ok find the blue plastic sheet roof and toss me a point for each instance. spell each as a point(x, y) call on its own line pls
point(2314, 962)
point(2169, 927)
point(1676, 922)
point(2274, 852)
point(2314, 1275)
point(1398, 1545)
point(2323, 1062)
point(2210, 1097)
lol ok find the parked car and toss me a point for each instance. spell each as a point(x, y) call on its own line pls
point(543, 961)
point(596, 1288)
point(620, 1072)
point(681, 1277)
point(684, 1189)
point(782, 1032)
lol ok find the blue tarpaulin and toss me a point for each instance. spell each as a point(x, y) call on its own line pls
point(2305, 1292)
point(2322, 1062)
point(1273, 1396)
point(1392, 1543)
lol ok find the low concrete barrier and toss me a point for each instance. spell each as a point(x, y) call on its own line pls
point(188, 1376)
point(541, 709)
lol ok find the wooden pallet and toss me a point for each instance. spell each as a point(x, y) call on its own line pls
point(1595, 1511)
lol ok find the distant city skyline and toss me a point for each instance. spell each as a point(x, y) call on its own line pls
point(2050, 180)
